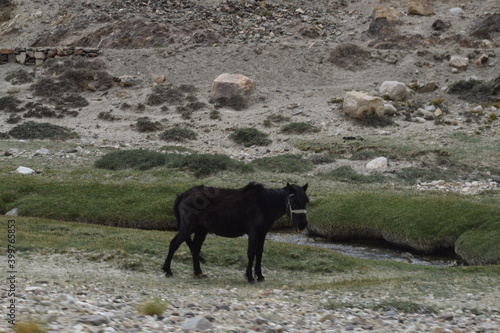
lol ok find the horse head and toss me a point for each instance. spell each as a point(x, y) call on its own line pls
point(296, 205)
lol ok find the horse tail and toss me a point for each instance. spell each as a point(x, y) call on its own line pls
point(177, 214)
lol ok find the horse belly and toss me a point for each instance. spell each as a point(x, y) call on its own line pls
point(226, 228)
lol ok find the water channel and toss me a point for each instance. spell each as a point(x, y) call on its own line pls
point(366, 249)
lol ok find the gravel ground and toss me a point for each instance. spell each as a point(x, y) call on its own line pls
point(76, 295)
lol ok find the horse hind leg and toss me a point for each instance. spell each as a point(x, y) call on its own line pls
point(174, 245)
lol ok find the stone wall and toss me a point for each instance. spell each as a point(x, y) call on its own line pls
point(37, 55)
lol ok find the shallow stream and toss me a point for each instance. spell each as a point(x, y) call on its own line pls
point(366, 249)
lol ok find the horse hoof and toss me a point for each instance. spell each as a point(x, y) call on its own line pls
point(261, 279)
point(200, 276)
point(168, 274)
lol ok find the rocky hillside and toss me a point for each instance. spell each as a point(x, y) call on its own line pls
point(302, 57)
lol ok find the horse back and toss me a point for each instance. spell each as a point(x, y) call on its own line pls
point(225, 212)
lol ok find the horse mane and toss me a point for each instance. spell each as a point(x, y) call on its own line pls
point(253, 186)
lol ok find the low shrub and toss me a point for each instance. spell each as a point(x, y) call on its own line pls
point(19, 76)
point(474, 91)
point(299, 128)
point(413, 174)
point(275, 118)
point(374, 120)
point(237, 102)
point(206, 164)
point(215, 114)
point(32, 130)
point(349, 56)
point(162, 94)
point(283, 164)
point(250, 137)
point(50, 87)
point(178, 134)
point(131, 159)
point(69, 100)
point(107, 116)
point(146, 125)
point(10, 104)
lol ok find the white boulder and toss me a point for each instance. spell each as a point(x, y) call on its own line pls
point(25, 170)
point(358, 105)
point(227, 85)
point(394, 90)
point(378, 163)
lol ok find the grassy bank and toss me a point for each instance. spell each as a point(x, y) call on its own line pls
point(285, 265)
point(420, 221)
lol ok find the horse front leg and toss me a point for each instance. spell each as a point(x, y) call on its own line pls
point(199, 238)
point(251, 255)
point(258, 258)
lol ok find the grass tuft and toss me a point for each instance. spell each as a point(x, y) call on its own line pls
point(29, 326)
point(155, 307)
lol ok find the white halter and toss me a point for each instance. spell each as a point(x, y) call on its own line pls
point(294, 211)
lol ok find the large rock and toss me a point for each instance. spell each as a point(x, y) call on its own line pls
point(378, 163)
point(459, 62)
point(390, 14)
point(393, 90)
point(25, 170)
point(227, 85)
point(420, 7)
point(357, 104)
point(197, 323)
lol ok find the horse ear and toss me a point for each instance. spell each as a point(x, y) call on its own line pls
point(289, 187)
point(305, 187)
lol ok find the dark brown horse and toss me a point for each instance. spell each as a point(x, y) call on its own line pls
point(250, 210)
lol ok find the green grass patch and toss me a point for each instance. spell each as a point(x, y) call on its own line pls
point(422, 222)
point(124, 205)
point(348, 174)
point(131, 159)
point(203, 165)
